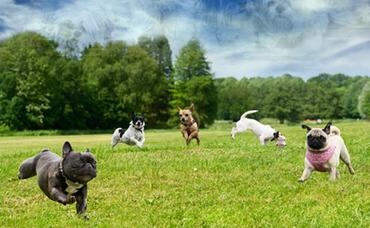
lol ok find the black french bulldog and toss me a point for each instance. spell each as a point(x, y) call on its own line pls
point(62, 179)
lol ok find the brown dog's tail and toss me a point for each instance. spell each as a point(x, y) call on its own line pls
point(334, 130)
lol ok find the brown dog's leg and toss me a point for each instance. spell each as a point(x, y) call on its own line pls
point(186, 137)
point(194, 135)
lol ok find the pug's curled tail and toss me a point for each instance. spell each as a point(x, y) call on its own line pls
point(28, 166)
point(334, 130)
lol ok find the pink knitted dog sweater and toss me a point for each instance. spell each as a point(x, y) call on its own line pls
point(318, 160)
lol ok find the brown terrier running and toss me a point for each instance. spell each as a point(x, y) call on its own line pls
point(189, 128)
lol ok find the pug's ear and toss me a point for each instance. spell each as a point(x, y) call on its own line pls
point(191, 107)
point(327, 128)
point(306, 127)
point(67, 148)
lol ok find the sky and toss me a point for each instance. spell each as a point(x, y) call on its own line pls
point(241, 37)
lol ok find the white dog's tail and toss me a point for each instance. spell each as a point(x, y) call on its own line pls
point(247, 113)
point(334, 130)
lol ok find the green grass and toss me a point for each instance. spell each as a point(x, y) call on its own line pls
point(219, 183)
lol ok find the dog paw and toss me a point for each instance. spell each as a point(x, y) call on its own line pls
point(300, 180)
point(351, 171)
point(70, 200)
point(85, 217)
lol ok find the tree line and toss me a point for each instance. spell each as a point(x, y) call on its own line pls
point(44, 87)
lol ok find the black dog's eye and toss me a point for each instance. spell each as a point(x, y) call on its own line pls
point(77, 165)
point(186, 115)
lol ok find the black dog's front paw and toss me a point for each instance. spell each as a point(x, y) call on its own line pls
point(84, 217)
point(70, 200)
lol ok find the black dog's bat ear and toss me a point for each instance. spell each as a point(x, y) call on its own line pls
point(327, 128)
point(67, 148)
point(87, 150)
point(306, 127)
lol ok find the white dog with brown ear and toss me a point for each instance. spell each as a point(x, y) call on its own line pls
point(324, 149)
point(263, 132)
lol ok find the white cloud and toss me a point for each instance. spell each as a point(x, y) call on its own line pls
point(299, 37)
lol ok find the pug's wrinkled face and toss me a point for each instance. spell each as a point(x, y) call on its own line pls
point(78, 167)
point(317, 138)
point(185, 115)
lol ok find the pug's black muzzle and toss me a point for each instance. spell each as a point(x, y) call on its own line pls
point(315, 143)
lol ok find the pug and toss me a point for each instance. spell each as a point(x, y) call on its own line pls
point(188, 125)
point(62, 179)
point(324, 149)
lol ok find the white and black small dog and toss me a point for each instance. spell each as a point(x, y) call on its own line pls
point(134, 135)
point(263, 132)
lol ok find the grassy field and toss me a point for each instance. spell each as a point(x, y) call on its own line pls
point(219, 183)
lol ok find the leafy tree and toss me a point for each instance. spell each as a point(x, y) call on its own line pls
point(285, 98)
point(121, 80)
point(194, 84)
point(191, 62)
point(323, 99)
point(159, 49)
point(234, 98)
point(352, 93)
point(26, 70)
point(364, 101)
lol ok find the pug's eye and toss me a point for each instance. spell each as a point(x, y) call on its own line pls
point(186, 115)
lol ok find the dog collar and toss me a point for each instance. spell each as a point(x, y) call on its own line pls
point(139, 129)
point(318, 160)
point(190, 124)
point(69, 183)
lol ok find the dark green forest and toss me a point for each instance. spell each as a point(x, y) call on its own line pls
point(44, 87)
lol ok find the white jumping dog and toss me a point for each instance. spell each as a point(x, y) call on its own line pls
point(263, 132)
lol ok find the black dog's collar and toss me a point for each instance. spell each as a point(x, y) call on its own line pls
point(60, 168)
point(68, 181)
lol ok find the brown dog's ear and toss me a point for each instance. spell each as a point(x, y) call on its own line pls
point(67, 148)
point(191, 107)
point(306, 127)
point(326, 129)
point(179, 109)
